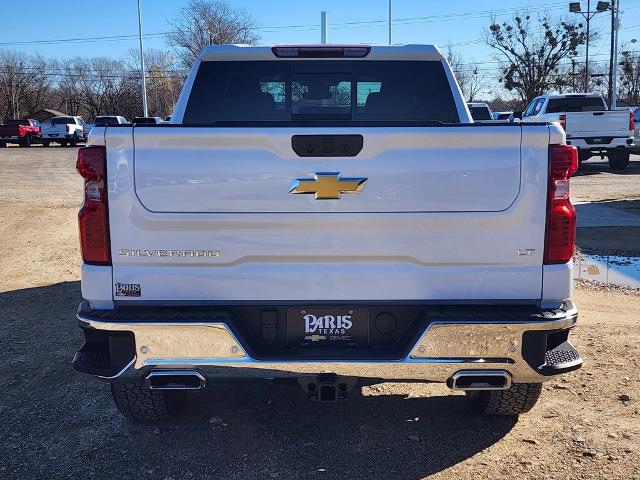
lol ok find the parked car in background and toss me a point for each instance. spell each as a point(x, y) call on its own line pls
point(22, 131)
point(65, 131)
point(508, 116)
point(103, 120)
point(480, 111)
point(147, 120)
point(589, 125)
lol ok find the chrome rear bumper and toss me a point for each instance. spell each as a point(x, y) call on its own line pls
point(444, 348)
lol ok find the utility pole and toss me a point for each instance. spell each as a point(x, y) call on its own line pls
point(144, 80)
point(323, 27)
point(586, 61)
point(615, 7)
point(389, 22)
point(613, 21)
point(574, 7)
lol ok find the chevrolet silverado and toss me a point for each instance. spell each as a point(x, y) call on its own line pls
point(589, 125)
point(326, 213)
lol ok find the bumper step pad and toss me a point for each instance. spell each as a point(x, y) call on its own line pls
point(561, 359)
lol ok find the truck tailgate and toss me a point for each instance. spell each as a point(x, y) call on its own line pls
point(450, 212)
point(207, 170)
point(598, 124)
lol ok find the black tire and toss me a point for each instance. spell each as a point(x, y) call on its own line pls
point(138, 403)
point(74, 141)
point(618, 160)
point(520, 398)
point(25, 142)
point(3, 144)
point(63, 143)
point(45, 143)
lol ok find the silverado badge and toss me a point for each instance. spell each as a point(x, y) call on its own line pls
point(327, 185)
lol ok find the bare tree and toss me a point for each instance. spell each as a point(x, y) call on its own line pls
point(209, 22)
point(164, 79)
point(629, 88)
point(24, 83)
point(471, 80)
point(572, 78)
point(98, 86)
point(531, 55)
point(499, 104)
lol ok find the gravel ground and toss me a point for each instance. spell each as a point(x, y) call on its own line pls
point(595, 182)
point(56, 423)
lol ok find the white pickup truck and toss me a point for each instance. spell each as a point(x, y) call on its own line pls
point(589, 126)
point(65, 131)
point(326, 213)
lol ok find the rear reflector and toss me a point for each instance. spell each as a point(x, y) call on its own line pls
point(321, 51)
point(632, 125)
point(561, 215)
point(93, 217)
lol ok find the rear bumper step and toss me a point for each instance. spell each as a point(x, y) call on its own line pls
point(451, 341)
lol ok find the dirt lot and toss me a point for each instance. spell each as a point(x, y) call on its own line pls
point(56, 423)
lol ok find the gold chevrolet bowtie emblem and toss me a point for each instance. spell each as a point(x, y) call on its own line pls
point(315, 338)
point(327, 185)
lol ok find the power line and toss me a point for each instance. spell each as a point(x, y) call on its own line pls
point(336, 26)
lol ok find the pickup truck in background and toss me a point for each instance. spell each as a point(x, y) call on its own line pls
point(22, 131)
point(508, 116)
point(65, 131)
point(147, 120)
point(103, 120)
point(480, 112)
point(326, 213)
point(589, 125)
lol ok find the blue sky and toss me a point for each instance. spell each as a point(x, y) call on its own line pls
point(459, 23)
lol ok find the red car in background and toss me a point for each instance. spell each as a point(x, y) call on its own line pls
point(22, 131)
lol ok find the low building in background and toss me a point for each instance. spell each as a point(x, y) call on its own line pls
point(45, 115)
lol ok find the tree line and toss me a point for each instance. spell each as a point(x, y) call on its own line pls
point(533, 57)
point(86, 86)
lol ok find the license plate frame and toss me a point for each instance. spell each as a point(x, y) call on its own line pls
point(328, 326)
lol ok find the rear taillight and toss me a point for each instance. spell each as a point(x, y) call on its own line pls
point(632, 125)
point(68, 128)
point(561, 216)
point(93, 217)
point(563, 121)
point(321, 51)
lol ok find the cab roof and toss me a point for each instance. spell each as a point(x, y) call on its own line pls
point(320, 51)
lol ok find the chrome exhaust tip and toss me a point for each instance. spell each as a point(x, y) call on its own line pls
point(480, 380)
point(176, 380)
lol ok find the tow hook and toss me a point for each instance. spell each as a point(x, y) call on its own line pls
point(327, 387)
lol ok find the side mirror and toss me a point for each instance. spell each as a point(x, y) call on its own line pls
point(517, 115)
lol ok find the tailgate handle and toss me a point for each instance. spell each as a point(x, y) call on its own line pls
point(327, 145)
point(598, 113)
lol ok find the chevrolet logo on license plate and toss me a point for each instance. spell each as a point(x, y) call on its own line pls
point(327, 185)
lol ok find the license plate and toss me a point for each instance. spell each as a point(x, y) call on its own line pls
point(328, 326)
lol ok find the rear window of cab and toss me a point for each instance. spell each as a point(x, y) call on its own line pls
point(303, 92)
